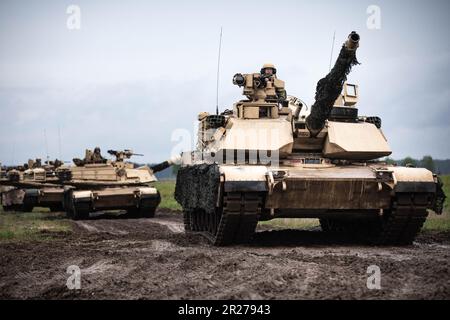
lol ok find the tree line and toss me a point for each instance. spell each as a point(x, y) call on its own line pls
point(436, 166)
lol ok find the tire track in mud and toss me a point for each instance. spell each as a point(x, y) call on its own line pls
point(154, 259)
point(175, 227)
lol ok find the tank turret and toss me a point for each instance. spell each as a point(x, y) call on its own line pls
point(329, 88)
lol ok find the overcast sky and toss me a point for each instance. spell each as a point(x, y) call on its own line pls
point(138, 70)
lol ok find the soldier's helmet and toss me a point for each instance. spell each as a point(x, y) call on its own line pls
point(97, 150)
point(268, 66)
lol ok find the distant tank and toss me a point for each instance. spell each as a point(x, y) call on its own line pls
point(31, 185)
point(98, 184)
point(269, 159)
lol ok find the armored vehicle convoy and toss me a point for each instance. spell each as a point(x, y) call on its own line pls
point(98, 184)
point(270, 158)
point(31, 185)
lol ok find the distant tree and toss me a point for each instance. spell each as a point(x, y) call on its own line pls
point(408, 161)
point(390, 161)
point(428, 163)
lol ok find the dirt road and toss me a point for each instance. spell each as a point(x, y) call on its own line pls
point(155, 259)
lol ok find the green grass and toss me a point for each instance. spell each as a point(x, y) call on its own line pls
point(438, 223)
point(37, 225)
point(292, 223)
point(167, 189)
point(442, 222)
point(446, 181)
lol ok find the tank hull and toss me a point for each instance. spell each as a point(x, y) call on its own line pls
point(225, 202)
point(25, 200)
point(138, 201)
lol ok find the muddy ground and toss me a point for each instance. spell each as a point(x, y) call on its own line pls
point(155, 259)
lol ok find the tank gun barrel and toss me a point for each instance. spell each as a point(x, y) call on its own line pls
point(165, 164)
point(160, 166)
point(329, 88)
point(352, 42)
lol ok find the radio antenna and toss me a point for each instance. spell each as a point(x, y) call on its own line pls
point(13, 153)
point(332, 49)
point(46, 144)
point(218, 73)
point(59, 142)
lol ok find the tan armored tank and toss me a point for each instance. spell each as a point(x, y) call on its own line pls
point(31, 185)
point(274, 158)
point(98, 184)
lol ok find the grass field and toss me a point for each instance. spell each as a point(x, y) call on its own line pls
point(167, 189)
point(442, 222)
point(37, 225)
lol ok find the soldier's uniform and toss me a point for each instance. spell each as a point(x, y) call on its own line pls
point(268, 75)
point(97, 156)
point(263, 86)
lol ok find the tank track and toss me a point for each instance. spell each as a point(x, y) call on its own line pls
point(399, 226)
point(75, 211)
point(233, 223)
point(81, 211)
point(146, 209)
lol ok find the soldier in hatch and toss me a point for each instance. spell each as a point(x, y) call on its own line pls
point(90, 157)
point(263, 86)
point(97, 156)
point(268, 73)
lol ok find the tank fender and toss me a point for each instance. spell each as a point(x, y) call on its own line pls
point(413, 180)
point(147, 192)
point(244, 178)
point(82, 196)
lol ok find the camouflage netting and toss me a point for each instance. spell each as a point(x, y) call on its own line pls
point(439, 200)
point(329, 88)
point(197, 187)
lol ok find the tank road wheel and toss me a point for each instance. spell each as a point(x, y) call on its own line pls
point(75, 210)
point(233, 223)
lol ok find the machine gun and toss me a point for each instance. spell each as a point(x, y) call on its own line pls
point(329, 88)
point(123, 154)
